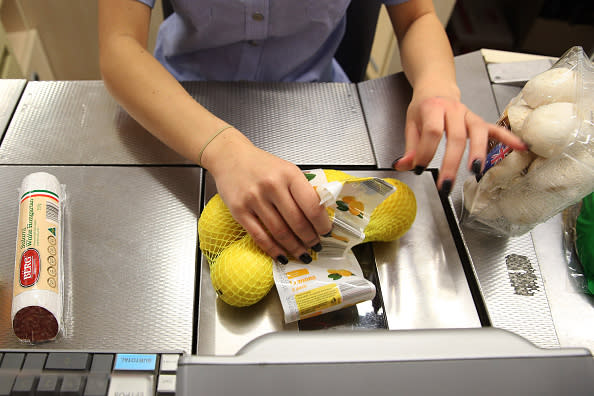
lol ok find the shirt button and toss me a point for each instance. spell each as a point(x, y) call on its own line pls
point(256, 16)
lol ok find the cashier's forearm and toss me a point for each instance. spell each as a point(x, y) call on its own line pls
point(154, 98)
point(427, 58)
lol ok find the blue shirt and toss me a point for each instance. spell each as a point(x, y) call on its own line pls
point(256, 40)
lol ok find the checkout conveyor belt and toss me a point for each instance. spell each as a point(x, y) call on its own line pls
point(134, 204)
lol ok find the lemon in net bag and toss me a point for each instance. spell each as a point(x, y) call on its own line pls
point(241, 273)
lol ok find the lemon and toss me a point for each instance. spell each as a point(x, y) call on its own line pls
point(242, 274)
point(336, 175)
point(394, 216)
point(217, 229)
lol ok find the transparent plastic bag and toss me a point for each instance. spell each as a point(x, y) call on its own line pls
point(40, 312)
point(578, 243)
point(554, 115)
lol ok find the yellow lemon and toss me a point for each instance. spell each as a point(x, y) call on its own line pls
point(336, 175)
point(242, 274)
point(394, 216)
point(217, 229)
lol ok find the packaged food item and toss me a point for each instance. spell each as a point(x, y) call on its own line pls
point(584, 240)
point(578, 243)
point(334, 279)
point(37, 304)
point(554, 115)
point(242, 274)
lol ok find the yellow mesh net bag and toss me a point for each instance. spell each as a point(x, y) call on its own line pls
point(241, 273)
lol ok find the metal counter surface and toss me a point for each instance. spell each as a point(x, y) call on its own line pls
point(129, 256)
point(297, 122)
point(525, 312)
point(570, 312)
point(10, 93)
point(304, 123)
point(421, 279)
point(385, 100)
point(571, 308)
point(54, 117)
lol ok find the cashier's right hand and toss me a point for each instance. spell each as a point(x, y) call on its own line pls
point(268, 196)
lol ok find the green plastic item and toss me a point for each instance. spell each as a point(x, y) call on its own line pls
point(584, 241)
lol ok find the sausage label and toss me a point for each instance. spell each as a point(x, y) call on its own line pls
point(37, 242)
point(29, 271)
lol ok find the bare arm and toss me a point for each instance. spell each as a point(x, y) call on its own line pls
point(435, 108)
point(143, 86)
point(270, 197)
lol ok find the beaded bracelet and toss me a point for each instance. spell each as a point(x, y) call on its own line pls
point(217, 133)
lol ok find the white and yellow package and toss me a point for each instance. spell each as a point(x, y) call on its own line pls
point(334, 279)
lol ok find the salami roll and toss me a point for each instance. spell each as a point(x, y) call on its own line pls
point(37, 302)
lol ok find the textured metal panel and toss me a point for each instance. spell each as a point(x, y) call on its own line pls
point(525, 313)
point(78, 122)
point(510, 279)
point(10, 92)
point(571, 308)
point(320, 124)
point(130, 253)
point(304, 123)
point(420, 276)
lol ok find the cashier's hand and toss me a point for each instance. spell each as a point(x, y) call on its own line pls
point(429, 117)
point(269, 197)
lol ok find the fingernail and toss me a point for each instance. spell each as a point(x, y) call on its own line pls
point(396, 162)
point(446, 187)
point(419, 169)
point(328, 234)
point(282, 259)
point(306, 258)
point(317, 247)
point(476, 166)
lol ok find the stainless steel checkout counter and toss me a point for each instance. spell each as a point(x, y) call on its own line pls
point(136, 280)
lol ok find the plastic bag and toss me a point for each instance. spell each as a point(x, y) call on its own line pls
point(578, 243)
point(584, 242)
point(554, 115)
point(38, 309)
point(334, 279)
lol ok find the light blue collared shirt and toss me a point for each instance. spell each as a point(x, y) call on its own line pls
point(256, 40)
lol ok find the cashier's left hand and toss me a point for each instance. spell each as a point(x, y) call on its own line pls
point(430, 116)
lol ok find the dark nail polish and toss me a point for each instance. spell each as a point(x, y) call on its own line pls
point(395, 162)
point(419, 169)
point(317, 247)
point(476, 166)
point(282, 259)
point(446, 187)
point(306, 258)
point(328, 234)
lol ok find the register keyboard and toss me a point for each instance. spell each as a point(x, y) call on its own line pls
point(87, 373)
